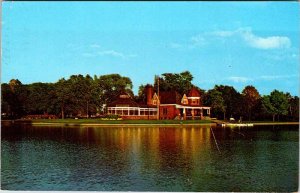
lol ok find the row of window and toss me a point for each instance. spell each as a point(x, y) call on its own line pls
point(184, 101)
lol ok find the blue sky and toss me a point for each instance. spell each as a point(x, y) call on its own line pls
point(232, 43)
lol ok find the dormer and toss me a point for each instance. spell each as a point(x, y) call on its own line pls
point(184, 100)
point(194, 97)
point(155, 99)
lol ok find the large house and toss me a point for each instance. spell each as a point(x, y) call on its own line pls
point(165, 105)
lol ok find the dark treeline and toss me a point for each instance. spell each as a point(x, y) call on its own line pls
point(86, 96)
point(76, 96)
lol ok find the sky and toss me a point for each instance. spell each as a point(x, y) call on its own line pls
point(228, 43)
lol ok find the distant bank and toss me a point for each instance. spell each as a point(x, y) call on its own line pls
point(97, 122)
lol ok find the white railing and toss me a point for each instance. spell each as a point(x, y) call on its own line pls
point(131, 111)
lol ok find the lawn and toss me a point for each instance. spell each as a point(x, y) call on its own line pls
point(99, 121)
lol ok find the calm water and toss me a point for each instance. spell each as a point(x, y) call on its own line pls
point(150, 159)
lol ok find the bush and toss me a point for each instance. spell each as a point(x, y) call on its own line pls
point(110, 117)
point(40, 117)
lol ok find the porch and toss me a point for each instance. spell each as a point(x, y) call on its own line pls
point(190, 112)
point(132, 111)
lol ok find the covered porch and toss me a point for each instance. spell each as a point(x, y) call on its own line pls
point(132, 111)
point(192, 112)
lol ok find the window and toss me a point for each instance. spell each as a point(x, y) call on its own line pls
point(165, 111)
point(154, 102)
point(185, 101)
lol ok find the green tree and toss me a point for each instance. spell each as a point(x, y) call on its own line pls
point(41, 98)
point(276, 104)
point(7, 101)
point(18, 94)
point(141, 94)
point(293, 107)
point(81, 94)
point(181, 82)
point(232, 100)
point(214, 99)
point(110, 86)
point(251, 98)
point(63, 95)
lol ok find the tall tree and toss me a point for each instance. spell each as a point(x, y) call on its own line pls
point(214, 99)
point(7, 101)
point(18, 94)
point(81, 90)
point(63, 95)
point(276, 103)
point(111, 86)
point(294, 108)
point(251, 98)
point(181, 82)
point(141, 97)
point(232, 100)
point(41, 98)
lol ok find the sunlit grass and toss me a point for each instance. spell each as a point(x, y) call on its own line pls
point(99, 121)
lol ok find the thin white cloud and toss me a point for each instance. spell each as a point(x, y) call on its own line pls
point(271, 42)
point(244, 35)
point(275, 77)
point(222, 33)
point(112, 53)
point(198, 40)
point(282, 55)
point(267, 42)
point(116, 54)
point(242, 79)
point(95, 46)
point(239, 79)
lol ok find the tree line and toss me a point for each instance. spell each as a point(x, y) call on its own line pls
point(86, 96)
point(76, 96)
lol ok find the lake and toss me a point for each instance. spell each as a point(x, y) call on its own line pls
point(261, 158)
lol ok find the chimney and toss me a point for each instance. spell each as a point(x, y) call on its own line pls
point(149, 93)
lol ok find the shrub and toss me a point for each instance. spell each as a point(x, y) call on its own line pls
point(110, 117)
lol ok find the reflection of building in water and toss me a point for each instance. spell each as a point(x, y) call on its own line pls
point(195, 141)
point(142, 149)
point(166, 105)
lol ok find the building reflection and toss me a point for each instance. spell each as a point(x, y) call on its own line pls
point(165, 149)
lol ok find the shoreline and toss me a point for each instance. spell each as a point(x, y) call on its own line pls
point(114, 124)
point(70, 124)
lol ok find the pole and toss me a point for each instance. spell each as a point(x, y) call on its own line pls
point(157, 97)
point(215, 139)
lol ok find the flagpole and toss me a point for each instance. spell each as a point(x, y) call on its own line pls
point(158, 101)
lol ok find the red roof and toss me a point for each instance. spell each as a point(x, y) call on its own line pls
point(124, 99)
point(194, 93)
point(170, 97)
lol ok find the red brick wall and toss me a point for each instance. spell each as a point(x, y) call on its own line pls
point(168, 112)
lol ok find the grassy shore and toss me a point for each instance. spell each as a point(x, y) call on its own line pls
point(99, 122)
point(79, 122)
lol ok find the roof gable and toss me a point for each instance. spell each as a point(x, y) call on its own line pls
point(194, 92)
point(124, 99)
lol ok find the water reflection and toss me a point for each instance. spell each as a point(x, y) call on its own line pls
point(149, 158)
